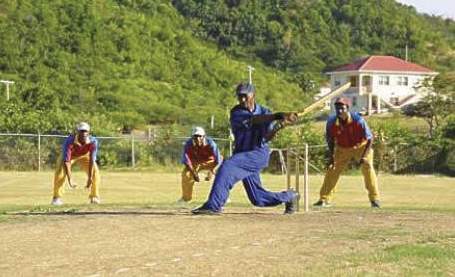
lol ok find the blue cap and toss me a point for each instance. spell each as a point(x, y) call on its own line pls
point(245, 89)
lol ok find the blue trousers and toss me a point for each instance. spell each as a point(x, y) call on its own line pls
point(244, 166)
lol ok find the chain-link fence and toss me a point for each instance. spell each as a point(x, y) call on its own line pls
point(396, 159)
point(40, 152)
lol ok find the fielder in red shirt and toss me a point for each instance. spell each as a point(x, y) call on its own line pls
point(348, 137)
point(79, 148)
point(199, 153)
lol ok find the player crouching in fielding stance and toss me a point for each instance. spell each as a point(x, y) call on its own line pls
point(348, 137)
point(199, 153)
point(253, 126)
point(78, 148)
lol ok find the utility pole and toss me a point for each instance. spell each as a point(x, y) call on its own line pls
point(406, 52)
point(250, 74)
point(7, 83)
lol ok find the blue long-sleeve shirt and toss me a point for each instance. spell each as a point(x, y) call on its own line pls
point(248, 136)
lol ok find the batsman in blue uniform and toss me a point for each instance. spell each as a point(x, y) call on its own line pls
point(253, 126)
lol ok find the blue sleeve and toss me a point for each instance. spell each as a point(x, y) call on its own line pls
point(328, 127)
point(94, 141)
point(69, 140)
point(367, 132)
point(215, 150)
point(185, 150)
point(268, 125)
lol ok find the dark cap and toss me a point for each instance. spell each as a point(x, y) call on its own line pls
point(244, 89)
point(343, 101)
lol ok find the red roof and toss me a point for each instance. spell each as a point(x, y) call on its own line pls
point(382, 63)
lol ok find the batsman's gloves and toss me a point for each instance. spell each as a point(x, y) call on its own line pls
point(290, 118)
point(279, 116)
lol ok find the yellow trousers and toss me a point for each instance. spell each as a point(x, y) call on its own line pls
point(83, 162)
point(188, 179)
point(342, 157)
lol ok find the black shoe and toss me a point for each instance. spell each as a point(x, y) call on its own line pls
point(291, 206)
point(204, 211)
point(375, 204)
point(322, 204)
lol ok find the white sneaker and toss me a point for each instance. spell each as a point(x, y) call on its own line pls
point(182, 202)
point(57, 201)
point(95, 200)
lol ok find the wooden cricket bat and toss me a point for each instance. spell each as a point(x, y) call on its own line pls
point(330, 95)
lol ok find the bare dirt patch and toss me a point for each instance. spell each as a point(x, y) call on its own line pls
point(242, 242)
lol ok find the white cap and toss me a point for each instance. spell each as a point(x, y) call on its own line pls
point(83, 126)
point(198, 131)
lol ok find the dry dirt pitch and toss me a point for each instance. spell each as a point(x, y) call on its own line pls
point(138, 231)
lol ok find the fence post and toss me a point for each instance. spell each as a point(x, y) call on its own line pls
point(288, 168)
point(395, 158)
point(39, 151)
point(133, 158)
point(297, 174)
point(305, 181)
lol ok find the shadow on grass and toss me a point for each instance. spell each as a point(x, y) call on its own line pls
point(176, 212)
point(97, 213)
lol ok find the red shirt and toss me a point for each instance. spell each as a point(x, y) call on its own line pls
point(350, 133)
point(193, 154)
point(73, 149)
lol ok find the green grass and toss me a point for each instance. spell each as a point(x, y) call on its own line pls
point(32, 191)
point(429, 259)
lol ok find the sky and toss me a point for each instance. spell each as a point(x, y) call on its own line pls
point(444, 8)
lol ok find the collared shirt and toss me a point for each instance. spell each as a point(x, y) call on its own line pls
point(194, 154)
point(347, 134)
point(73, 149)
point(246, 135)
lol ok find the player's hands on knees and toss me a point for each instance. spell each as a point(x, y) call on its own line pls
point(330, 162)
point(89, 183)
point(72, 184)
point(363, 160)
point(209, 175)
point(196, 177)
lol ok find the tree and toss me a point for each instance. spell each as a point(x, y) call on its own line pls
point(438, 103)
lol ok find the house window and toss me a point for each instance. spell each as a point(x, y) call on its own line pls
point(394, 101)
point(354, 101)
point(402, 81)
point(384, 80)
point(353, 80)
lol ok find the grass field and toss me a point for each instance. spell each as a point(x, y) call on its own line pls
point(139, 231)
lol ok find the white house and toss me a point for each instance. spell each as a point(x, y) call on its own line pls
point(380, 83)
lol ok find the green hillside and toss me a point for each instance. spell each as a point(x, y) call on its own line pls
point(117, 64)
point(308, 37)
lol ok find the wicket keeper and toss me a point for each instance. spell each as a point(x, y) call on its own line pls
point(199, 153)
point(79, 148)
point(348, 137)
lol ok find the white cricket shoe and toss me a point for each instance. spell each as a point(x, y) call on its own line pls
point(182, 203)
point(95, 200)
point(57, 201)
